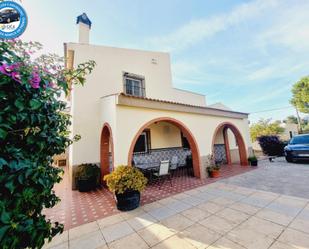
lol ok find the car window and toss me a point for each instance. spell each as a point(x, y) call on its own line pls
point(300, 140)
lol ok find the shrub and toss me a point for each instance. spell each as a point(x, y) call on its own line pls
point(271, 145)
point(33, 128)
point(252, 158)
point(88, 170)
point(125, 178)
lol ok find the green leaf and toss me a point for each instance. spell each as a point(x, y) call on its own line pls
point(19, 104)
point(35, 104)
point(5, 217)
point(3, 231)
point(3, 133)
point(10, 186)
point(2, 162)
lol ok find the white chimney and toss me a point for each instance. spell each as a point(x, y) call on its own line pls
point(84, 26)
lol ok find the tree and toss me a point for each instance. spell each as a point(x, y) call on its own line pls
point(33, 128)
point(291, 120)
point(265, 127)
point(300, 98)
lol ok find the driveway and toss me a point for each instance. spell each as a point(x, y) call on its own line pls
point(279, 177)
point(213, 216)
point(252, 210)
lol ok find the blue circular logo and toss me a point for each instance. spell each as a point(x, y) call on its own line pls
point(13, 20)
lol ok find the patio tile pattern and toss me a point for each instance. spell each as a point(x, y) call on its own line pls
point(78, 208)
point(226, 226)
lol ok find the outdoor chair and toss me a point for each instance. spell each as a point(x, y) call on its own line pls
point(163, 172)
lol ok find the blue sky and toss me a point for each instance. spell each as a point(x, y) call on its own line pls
point(246, 54)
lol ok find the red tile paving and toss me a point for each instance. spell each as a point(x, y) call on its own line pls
point(77, 208)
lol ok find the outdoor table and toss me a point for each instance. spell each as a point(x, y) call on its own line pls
point(148, 168)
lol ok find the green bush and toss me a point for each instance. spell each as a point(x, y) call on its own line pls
point(89, 171)
point(125, 178)
point(33, 128)
point(252, 158)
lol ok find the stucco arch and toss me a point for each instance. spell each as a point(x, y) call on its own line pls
point(187, 133)
point(105, 145)
point(240, 141)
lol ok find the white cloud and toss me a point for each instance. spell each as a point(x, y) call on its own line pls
point(290, 28)
point(282, 69)
point(197, 30)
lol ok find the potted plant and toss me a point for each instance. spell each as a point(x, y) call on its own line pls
point(253, 160)
point(87, 177)
point(127, 183)
point(213, 169)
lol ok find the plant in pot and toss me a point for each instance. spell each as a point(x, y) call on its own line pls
point(212, 168)
point(87, 177)
point(253, 161)
point(127, 183)
point(214, 171)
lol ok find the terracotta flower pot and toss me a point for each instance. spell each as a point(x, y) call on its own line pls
point(215, 173)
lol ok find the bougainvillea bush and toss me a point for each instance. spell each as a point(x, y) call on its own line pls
point(271, 145)
point(33, 128)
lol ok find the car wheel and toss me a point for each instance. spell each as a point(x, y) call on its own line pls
point(8, 20)
point(289, 159)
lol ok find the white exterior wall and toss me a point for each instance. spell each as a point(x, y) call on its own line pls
point(106, 79)
point(219, 139)
point(164, 135)
point(83, 33)
point(112, 62)
point(201, 126)
point(289, 127)
point(96, 103)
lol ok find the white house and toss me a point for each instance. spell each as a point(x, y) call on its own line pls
point(129, 111)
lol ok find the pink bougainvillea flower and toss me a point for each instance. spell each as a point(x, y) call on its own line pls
point(35, 85)
point(35, 80)
point(51, 84)
point(6, 69)
point(16, 76)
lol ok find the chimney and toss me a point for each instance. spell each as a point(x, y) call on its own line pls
point(84, 26)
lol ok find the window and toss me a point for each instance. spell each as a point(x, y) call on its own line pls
point(143, 142)
point(134, 85)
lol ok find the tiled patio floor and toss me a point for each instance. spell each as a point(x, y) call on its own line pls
point(213, 216)
point(78, 208)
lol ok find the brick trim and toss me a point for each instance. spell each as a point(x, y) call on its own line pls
point(240, 141)
point(187, 133)
point(106, 141)
point(227, 146)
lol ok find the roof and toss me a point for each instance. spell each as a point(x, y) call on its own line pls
point(83, 18)
point(220, 106)
point(129, 100)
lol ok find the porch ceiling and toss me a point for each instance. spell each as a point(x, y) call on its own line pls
point(127, 100)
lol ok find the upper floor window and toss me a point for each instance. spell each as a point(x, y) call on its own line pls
point(134, 85)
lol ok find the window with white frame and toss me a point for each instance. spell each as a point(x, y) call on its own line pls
point(134, 85)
